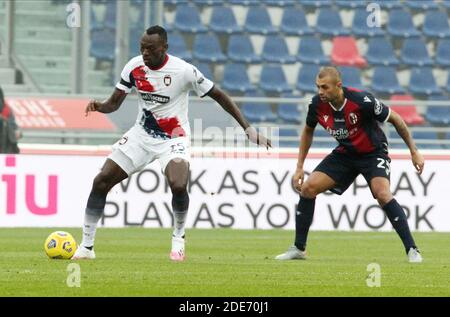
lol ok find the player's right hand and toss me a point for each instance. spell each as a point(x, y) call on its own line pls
point(297, 179)
point(92, 106)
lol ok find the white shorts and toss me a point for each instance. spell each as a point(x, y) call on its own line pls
point(137, 149)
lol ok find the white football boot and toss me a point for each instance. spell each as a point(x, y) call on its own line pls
point(293, 253)
point(414, 256)
point(177, 253)
point(83, 253)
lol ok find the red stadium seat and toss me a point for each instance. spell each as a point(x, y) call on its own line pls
point(407, 112)
point(345, 52)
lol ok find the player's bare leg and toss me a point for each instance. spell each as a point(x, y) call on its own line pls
point(177, 172)
point(396, 215)
point(316, 183)
point(110, 175)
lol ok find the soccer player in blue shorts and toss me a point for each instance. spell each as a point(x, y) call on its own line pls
point(352, 117)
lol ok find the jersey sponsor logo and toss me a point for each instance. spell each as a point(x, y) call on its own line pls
point(378, 107)
point(339, 120)
point(353, 118)
point(154, 98)
point(367, 99)
point(201, 79)
point(341, 133)
point(167, 80)
point(123, 140)
point(325, 118)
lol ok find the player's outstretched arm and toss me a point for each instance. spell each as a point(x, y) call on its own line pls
point(305, 143)
point(403, 131)
point(110, 105)
point(229, 106)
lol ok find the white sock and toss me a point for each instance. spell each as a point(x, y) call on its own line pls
point(179, 222)
point(89, 229)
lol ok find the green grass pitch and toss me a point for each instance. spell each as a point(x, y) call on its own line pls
point(224, 262)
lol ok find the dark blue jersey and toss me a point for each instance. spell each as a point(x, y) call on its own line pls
point(356, 125)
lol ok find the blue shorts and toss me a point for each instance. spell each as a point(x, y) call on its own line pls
point(344, 168)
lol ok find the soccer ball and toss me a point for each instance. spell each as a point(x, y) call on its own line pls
point(60, 245)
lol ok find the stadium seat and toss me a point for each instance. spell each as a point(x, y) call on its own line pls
point(103, 44)
point(438, 115)
point(436, 24)
point(421, 5)
point(353, 4)
point(389, 4)
point(187, 19)
point(385, 81)
point(443, 53)
point(177, 47)
point(135, 42)
point(306, 81)
point(94, 23)
point(240, 49)
point(401, 25)
point(273, 80)
point(205, 3)
point(408, 112)
point(415, 53)
point(360, 26)
point(110, 15)
point(289, 112)
point(313, 4)
point(223, 21)
point(310, 51)
point(245, 2)
point(205, 70)
point(258, 111)
point(258, 21)
point(329, 23)
point(422, 82)
point(235, 79)
point(275, 50)
point(345, 52)
point(351, 77)
point(424, 140)
point(279, 3)
point(294, 22)
point(381, 52)
point(206, 48)
point(446, 4)
point(293, 136)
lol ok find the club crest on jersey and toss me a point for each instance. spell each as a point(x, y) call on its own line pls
point(167, 80)
point(353, 118)
point(378, 107)
point(325, 118)
point(123, 140)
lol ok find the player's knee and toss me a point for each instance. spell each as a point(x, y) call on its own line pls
point(178, 188)
point(383, 196)
point(102, 183)
point(309, 190)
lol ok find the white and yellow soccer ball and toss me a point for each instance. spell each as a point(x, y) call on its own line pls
point(60, 245)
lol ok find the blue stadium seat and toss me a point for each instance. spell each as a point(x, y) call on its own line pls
point(414, 53)
point(258, 111)
point(420, 136)
point(327, 142)
point(436, 24)
point(389, 4)
point(94, 23)
point(205, 69)
point(294, 22)
point(421, 5)
point(279, 3)
point(245, 2)
point(310, 51)
point(306, 80)
point(446, 4)
point(258, 21)
point(385, 81)
point(187, 19)
point(273, 80)
point(201, 3)
point(176, 2)
point(289, 112)
point(422, 82)
point(401, 25)
point(360, 26)
point(352, 4)
point(235, 79)
point(110, 15)
point(103, 44)
point(135, 42)
point(438, 115)
point(240, 49)
point(177, 47)
point(381, 52)
point(395, 141)
point(329, 23)
point(443, 53)
point(293, 136)
point(223, 21)
point(275, 50)
point(313, 4)
point(206, 48)
point(351, 77)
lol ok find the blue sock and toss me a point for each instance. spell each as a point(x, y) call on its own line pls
point(397, 217)
point(303, 219)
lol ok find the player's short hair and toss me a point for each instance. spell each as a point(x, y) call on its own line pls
point(156, 29)
point(331, 71)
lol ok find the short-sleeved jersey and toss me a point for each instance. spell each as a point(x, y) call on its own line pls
point(356, 125)
point(163, 94)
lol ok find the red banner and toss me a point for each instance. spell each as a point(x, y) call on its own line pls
point(58, 113)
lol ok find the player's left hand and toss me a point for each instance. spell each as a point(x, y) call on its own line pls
point(257, 138)
point(418, 161)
